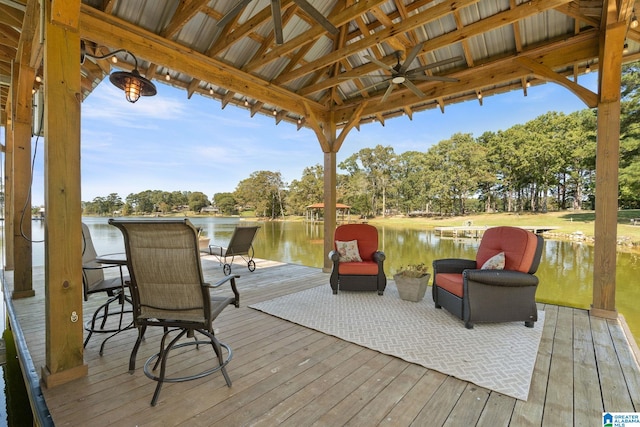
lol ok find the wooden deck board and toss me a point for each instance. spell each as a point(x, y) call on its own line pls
point(285, 374)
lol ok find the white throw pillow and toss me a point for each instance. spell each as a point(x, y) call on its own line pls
point(348, 251)
point(496, 262)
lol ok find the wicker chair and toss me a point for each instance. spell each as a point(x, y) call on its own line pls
point(366, 273)
point(94, 282)
point(168, 290)
point(476, 291)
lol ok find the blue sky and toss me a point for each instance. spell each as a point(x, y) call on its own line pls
point(172, 143)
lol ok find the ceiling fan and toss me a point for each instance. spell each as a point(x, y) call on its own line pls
point(401, 75)
point(276, 12)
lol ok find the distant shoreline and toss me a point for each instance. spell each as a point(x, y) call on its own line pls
point(572, 225)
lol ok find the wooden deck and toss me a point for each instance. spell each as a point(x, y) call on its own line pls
point(285, 374)
point(476, 231)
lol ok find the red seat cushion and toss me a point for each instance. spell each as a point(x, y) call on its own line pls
point(365, 234)
point(519, 247)
point(365, 268)
point(451, 282)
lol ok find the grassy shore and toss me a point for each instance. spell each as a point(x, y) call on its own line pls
point(570, 223)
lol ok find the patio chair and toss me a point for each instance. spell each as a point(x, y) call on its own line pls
point(358, 265)
point(168, 290)
point(94, 282)
point(498, 286)
point(241, 244)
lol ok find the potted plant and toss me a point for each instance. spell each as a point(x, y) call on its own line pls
point(411, 281)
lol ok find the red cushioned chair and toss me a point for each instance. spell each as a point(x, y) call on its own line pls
point(492, 295)
point(365, 275)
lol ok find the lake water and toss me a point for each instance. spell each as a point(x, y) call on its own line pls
point(565, 273)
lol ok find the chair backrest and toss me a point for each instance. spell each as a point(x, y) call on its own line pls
point(365, 234)
point(241, 240)
point(92, 273)
point(522, 248)
point(163, 259)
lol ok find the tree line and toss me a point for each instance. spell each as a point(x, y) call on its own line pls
point(545, 164)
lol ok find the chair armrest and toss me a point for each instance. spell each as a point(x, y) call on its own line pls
point(379, 256)
point(232, 280)
point(216, 250)
point(501, 278)
point(334, 256)
point(452, 265)
point(99, 266)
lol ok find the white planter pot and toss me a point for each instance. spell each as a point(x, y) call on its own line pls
point(411, 288)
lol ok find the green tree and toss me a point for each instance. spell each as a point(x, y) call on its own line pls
point(377, 165)
point(307, 191)
point(263, 191)
point(226, 203)
point(197, 201)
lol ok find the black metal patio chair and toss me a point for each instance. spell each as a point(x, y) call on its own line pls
point(168, 290)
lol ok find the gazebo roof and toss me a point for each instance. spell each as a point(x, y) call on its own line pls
point(315, 76)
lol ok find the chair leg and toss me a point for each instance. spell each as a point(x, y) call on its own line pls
point(468, 325)
point(104, 309)
point(132, 359)
point(162, 357)
point(529, 324)
point(218, 349)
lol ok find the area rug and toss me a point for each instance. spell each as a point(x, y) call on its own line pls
point(496, 356)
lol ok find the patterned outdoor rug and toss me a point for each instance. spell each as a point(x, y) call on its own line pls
point(497, 356)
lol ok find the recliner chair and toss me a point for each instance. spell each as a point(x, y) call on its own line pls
point(360, 267)
point(477, 291)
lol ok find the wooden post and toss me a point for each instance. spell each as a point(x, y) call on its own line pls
point(329, 207)
point(607, 158)
point(63, 235)
point(21, 203)
point(8, 194)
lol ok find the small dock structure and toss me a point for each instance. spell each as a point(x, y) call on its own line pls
point(476, 231)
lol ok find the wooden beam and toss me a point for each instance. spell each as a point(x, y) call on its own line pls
point(65, 13)
point(507, 69)
point(63, 231)
point(507, 17)
point(588, 97)
point(341, 18)
point(116, 33)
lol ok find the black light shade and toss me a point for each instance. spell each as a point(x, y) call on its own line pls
point(133, 84)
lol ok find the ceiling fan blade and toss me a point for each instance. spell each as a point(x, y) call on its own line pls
point(435, 65)
point(368, 76)
point(313, 12)
point(232, 13)
point(379, 63)
point(372, 86)
point(414, 88)
point(277, 21)
point(388, 92)
point(410, 57)
point(435, 78)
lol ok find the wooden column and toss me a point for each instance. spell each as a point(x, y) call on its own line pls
point(329, 207)
point(607, 158)
point(8, 194)
point(21, 203)
point(63, 247)
point(328, 145)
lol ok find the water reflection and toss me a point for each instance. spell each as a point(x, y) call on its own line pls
point(566, 269)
